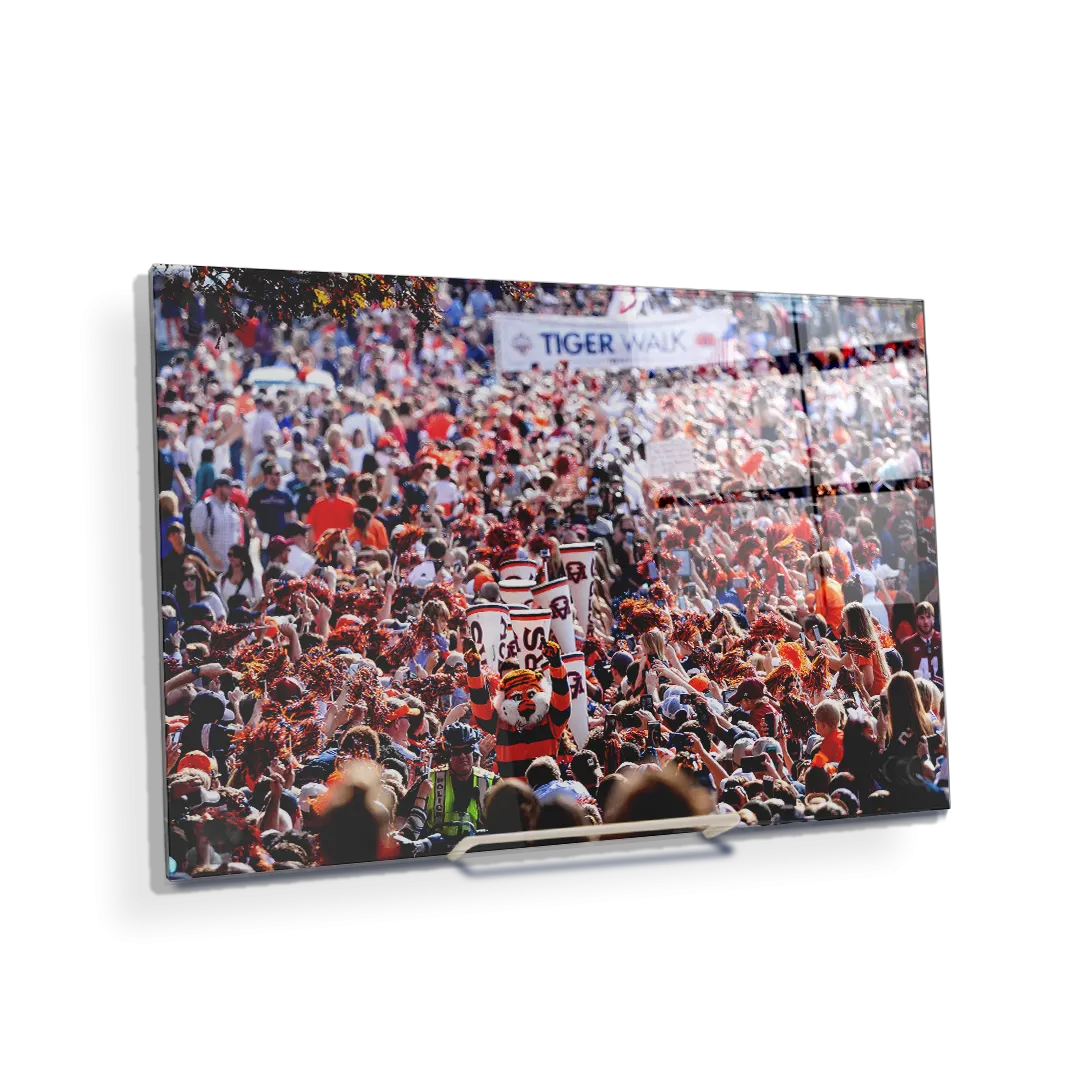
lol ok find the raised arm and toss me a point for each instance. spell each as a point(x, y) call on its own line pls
point(560, 687)
point(483, 714)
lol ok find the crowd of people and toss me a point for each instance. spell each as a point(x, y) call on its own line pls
point(761, 636)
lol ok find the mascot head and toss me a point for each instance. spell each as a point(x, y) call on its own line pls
point(523, 698)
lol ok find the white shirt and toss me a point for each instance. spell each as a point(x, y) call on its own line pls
point(249, 587)
point(877, 609)
point(299, 562)
point(213, 602)
point(446, 493)
point(262, 423)
point(357, 455)
point(371, 426)
point(195, 446)
point(220, 523)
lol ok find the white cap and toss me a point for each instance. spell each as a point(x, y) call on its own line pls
point(308, 794)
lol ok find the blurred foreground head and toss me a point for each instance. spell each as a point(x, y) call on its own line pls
point(650, 794)
point(352, 820)
point(511, 806)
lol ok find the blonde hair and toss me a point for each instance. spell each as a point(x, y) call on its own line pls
point(930, 695)
point(653, 642)
point(906, 712)
point(168, 504)
point(434, 610)
point(830, 712)
point(857, 619)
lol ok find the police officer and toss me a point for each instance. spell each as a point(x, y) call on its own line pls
point(450, 799)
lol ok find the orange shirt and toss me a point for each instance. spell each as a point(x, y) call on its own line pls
point(438, 425)
point(374, 536)
point(832, 746)
point(829, 603)
point(333, 512)
point(880, 677)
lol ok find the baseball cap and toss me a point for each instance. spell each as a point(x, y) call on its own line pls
point(754, 689)
point(672, 706)
point(620, 661)
point(196, 759)
point(195, 634)
point(424, 574)
point(741, 748)
point(199, 611)
point(308, 794)
point(277, 546)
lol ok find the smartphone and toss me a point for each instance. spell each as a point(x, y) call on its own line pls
point(903, 562)
point(802, 640)
point(678, 741)
point(817, 633)
point(681, 602)
point(653, 732)
point(683, 555)
point(811, 580)
point(781, 585)
point(653, 574)
point(739, 583)
point(754, 763)
point(629, 536)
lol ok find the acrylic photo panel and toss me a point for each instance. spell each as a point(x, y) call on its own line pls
point(452, 564)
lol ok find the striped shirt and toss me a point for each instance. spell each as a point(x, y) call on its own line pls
point(516, 748)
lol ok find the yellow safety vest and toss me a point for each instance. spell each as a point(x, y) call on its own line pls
point(445, 818)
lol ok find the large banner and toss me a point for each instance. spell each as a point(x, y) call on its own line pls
point(662, 341)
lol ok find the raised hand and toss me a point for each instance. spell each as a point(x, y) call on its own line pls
point(552, 651)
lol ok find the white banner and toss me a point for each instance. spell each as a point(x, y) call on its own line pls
point(579, 697)
point(663, 341)
point(670, 457)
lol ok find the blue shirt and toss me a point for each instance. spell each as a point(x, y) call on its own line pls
point(729, 596)
point(422, 655)
point(480, 303)
point(271, 508)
